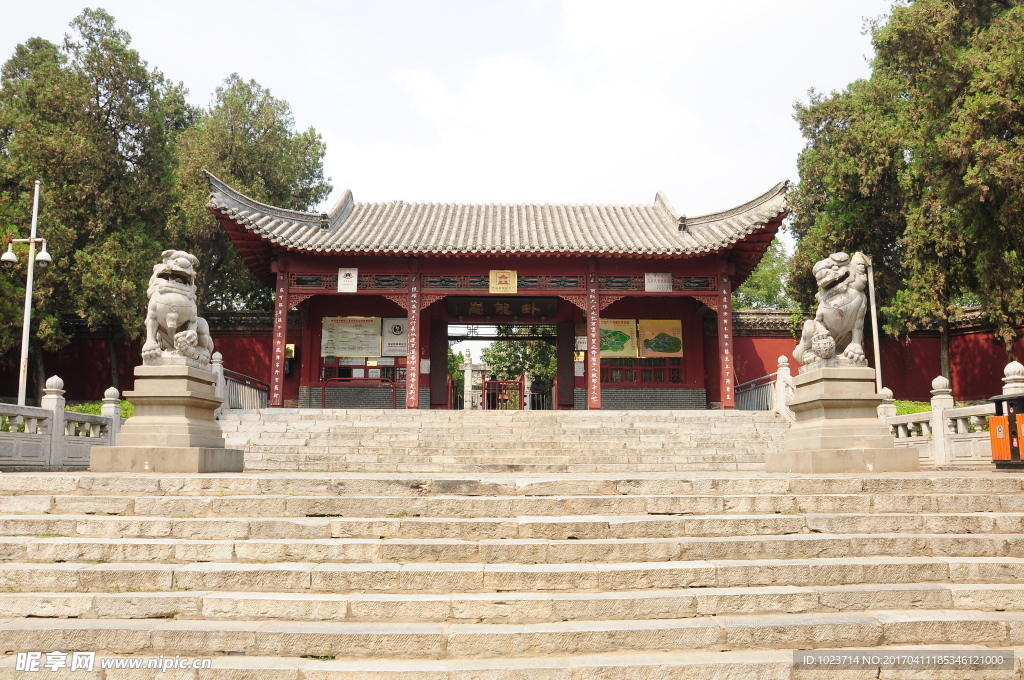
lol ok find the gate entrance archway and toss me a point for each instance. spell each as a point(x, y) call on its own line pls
point(526, 376)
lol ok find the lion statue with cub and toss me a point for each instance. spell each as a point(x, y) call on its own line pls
point(173, 324)
point(836, 333)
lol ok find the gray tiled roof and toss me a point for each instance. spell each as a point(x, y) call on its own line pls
point(411, 228)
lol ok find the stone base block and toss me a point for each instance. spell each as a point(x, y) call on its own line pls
point(837, 428)
point(903, 459)
point(165, 459)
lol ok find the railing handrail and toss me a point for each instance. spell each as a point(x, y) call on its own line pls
point(394, 388)
point(247, 379)
point(85, 417)
point(750, 384)
point(906, 418)
point(967, 411)
point(27, 411)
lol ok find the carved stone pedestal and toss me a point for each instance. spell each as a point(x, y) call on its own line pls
point(837, 427)
point(173, 429)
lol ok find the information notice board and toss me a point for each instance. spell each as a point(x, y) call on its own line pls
point(350, 336)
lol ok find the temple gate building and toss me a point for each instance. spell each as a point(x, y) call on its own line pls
point(627, 289)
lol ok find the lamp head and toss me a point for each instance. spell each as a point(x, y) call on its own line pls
point(9, 259)
point(43, 259)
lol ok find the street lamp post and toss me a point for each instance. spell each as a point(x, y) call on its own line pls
point(9, 259)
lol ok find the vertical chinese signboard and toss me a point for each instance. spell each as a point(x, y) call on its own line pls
point(725, 343)
point(280, 335)
point(593, 344)
point(412, 334)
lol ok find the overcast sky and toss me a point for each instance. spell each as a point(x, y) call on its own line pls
point(578, 101)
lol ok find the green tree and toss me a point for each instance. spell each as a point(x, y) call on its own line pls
point(248, 139)
point(455, 368)
point(97, 126)
point(920, 167)
point(509, 359)
point(766, 286)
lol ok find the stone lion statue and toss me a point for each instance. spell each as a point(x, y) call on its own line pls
point(173, 325)
point(835, 335)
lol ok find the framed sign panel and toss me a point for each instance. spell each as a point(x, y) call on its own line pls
point(348, 280)
point(660, 338)
point(394, 336)
point(350, 336)
point(618, 338)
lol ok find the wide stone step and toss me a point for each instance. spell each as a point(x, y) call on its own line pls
point(256, 464)
point(434, 640)
point(488, 441)
point(558, 528)
point(539, 607)
point(502, 550)
point(449, 577)
point(305, 484)
point(265, 505)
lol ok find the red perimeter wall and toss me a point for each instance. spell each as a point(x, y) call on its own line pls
point(976, 359)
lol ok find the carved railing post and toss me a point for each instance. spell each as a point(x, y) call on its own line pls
point(112, 409)
point(53, 401)
point(887, 409)
point(783, 388)
point(221, 386)
point(1013, 378)
point(942, 400)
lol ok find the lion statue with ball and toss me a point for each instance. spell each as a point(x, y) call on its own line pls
point(835, 336)
point(173, 324)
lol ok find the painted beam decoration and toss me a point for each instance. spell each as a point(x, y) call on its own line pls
point(618, 338)
point(660, 338)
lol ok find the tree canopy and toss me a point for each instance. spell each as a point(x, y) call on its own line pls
point(509, 359)
point(921, 166)
point(248, 139)
point(765, 288)
point(120, 154)
point(97, 126)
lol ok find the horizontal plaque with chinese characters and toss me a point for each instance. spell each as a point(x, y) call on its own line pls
point(657, 282)
point(503, 306)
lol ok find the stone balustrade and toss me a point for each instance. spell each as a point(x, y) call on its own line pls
point(964, 440)
point(49, 438)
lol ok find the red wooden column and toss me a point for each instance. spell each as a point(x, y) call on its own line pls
point(412, 361)
point(280, 337)
point(725, 350)
point(593, 342)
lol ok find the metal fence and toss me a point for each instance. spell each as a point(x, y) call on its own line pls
point(243, 391)
point(757, 394)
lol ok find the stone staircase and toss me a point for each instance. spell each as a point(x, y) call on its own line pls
point(365, 440)
point(567, 576)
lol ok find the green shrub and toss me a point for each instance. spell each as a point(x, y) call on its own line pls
point(93, 407)
point(903, 407)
